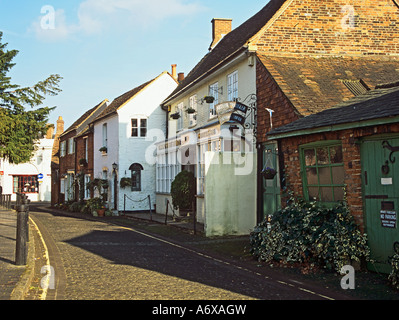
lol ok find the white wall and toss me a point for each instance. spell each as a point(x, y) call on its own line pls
point(102, 161)
point(39, 164)
point(230, 189)
point(140, 150)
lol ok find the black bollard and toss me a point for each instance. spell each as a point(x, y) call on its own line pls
point(21, 252)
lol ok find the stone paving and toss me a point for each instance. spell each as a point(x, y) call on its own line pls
point(10, 274)
point(98, 260)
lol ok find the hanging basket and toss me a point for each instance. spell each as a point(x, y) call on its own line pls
point(175, 116)
point(209, 99)
point(269, 173)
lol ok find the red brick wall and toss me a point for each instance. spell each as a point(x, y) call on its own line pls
point(68, 161)
point(324, 27)
point(270, 96)
point(351, 156)
point(80, 154)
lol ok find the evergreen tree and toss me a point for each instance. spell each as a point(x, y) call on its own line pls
point(20, 128)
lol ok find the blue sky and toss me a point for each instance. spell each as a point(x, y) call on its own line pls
point(103, 48)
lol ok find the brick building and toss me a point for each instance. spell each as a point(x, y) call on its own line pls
point(76, 156)
point(313, 55)
point(350, 148)
point(55, 162)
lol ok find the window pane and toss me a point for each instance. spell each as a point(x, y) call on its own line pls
point(311, 174)
point(324, 175)
point(336, 154)
point(143, 132)
point(338, 174)
point(326, 194)
point(313, 192)
point(322, 155)
point(135, 132)
point(310, 157)
point(339, 194)
point(143, 123)
point(134, 123)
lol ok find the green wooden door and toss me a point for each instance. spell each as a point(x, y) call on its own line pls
point(381, 199)
point(271, 187)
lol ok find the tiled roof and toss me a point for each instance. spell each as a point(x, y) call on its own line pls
point(82, 119)
point(124, 98)
point(231, 44)
point(379, 103)
point(121, 100)
point(315, 84)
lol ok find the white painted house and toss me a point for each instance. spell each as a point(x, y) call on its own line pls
point(215, 140)
point(32, 178)
point(125, 132)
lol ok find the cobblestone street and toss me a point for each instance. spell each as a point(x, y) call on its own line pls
point(96, 260)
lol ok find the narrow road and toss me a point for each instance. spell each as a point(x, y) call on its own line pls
point(96, 260)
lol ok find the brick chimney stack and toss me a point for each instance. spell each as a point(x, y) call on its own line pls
point(174, 71)
point(60, 126)
point(50, 131)
point(220, 27)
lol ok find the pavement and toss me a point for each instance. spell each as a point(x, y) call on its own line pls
point(15, 280)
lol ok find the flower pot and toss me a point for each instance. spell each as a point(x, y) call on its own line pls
point(269, 174)
point(175, 116)
point(101, 212)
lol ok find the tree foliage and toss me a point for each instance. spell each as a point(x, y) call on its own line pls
point(20, 128)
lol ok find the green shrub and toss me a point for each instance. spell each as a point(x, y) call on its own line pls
point(394, 275)
point(310, 233)
point(183, 190)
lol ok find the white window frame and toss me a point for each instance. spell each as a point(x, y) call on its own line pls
point(232, 86)
point(139, 127)
point(71, 146)
point(63, 148)
point(87, 180)
point(105, 135)
point(180, 121)
point(193, 116)
point(214, 92)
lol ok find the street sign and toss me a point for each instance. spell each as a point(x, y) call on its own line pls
point(40, 176)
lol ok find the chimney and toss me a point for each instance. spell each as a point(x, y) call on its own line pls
point(60, 126)
point(174, 71)
point(50, 131)
point(180, 77)
point(220, 27)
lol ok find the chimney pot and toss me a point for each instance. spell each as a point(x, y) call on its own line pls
point(174, 71)
point(180, 77)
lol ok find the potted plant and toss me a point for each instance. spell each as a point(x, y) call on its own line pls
point(175, 115)
point(190, 110)
point(209, 99)
point(268, 173)
point(183, 192)
point(83, 162)
point(126, 182)
point(96, 206)
point(103, 150)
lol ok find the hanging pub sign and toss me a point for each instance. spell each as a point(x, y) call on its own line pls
point(241, 107)
point(226, 112)
point(235, 117)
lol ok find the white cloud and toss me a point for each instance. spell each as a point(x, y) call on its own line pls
point(98, 16)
